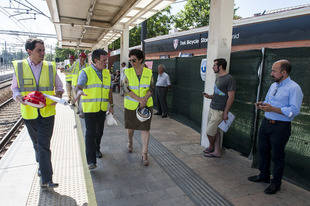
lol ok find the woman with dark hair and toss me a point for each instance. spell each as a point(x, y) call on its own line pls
point(138, 87)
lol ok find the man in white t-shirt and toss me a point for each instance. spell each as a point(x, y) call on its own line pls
point(123, 67)
point(162, 85)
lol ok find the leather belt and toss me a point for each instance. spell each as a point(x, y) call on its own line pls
point(271, 121)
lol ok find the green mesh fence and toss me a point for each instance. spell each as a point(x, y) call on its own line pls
point(185, 102)
point(298, 146)
point(244, 69)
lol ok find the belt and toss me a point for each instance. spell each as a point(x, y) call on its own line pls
point(161, 87)
point(270, 121)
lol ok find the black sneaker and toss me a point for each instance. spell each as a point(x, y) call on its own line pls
point(92, 166)
point(272, 189)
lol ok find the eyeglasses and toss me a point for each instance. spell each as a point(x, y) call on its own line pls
point(132, 60)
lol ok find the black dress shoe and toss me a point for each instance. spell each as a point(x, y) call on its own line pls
point(98, 154)
point(157, 113)
point(164, 116)
point(257, 178)
point(49, 185)
point(272, 189)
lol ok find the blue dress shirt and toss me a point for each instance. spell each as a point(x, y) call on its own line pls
point(286, 95)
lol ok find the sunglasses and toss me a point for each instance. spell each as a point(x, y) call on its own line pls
point(132, 60)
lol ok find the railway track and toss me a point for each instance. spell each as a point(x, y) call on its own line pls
point(5, 90)
point(10, 122)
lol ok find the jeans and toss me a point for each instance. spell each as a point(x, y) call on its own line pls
point(94, 130)
point(41, 131)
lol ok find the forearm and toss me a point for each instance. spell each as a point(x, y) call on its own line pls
point(110, 97)
point(133, 95)
point(229, 103)
point(276, 110)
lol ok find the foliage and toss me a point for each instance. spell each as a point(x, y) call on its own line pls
point(64, 53)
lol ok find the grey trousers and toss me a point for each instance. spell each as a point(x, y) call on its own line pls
point(41, 131)
point(161, 97)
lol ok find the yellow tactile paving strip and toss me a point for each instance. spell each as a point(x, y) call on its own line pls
point(67, 165)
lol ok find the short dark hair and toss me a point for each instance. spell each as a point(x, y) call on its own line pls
point(221, 62)
point(123, 63)
point(286, 65)
point(97, 53)
point(31, 43)
point(138, 53)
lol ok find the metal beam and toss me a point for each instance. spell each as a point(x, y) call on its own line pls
point(121, 13)
point(23, 33)
point(82, 22)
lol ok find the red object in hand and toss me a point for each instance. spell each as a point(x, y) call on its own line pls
point(35, 99)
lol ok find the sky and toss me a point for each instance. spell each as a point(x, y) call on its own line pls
point(43, 24)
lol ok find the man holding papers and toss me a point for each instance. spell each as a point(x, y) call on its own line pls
point(222, 100)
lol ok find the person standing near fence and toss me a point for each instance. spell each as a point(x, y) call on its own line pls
point(162, 85)
point(69, 69)
point(222, 100)
point(35, 74)
point(94, 85)
point(281, 105)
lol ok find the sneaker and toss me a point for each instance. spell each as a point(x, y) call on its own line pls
point(49, 185)
point(92, 166)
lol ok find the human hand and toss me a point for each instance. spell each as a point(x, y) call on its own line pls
point(111, 110)
point(266, 107)
point(225, 116)
point(78, 95)
point(20, 99)
point(207, 95)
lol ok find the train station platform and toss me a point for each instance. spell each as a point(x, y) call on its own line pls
point(178, 173)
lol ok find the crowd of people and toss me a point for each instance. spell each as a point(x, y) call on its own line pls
point(90, 86)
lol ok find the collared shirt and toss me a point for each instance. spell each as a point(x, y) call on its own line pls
point(36, 70)
point(163, 80)
point(287, 96)
point(83, 76)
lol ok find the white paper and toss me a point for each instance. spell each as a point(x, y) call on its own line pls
point(225, 125)
point(56, 99)
point(110, 119)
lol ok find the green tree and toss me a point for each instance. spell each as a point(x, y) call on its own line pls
point(63, 53)
point(195, 14)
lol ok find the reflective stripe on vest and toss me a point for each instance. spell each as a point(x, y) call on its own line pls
point(76, 72)
point(97, 91)
point(69, 74)
point(27, 83)
point(139, 88)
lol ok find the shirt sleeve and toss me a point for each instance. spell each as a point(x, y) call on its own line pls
point(14, 87)
point(295, 101)
point(82, 80)
point(231, 84)
point(58, 84)
point(168, 80)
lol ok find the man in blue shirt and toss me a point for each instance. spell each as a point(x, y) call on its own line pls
point(281, 105)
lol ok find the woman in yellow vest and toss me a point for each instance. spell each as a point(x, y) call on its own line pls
point(138, 88)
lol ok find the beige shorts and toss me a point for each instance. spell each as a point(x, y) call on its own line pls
point(215, 117)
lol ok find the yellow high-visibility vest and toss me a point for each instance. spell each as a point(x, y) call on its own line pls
point(26, 83)
point(69, 74)
point(139, 88)
point(75, 73)
point(97, 91)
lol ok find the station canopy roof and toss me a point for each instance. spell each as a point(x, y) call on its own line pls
point(90, 24)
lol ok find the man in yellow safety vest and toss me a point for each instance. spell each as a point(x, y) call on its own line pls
point(69, 69)
point(94, 85)
point(34, 74)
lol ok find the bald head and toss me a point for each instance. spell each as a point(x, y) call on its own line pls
point(280, 70)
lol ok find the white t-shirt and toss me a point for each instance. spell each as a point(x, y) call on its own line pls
point(163, 80)
point(122, 72)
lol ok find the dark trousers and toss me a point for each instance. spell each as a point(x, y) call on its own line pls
point(161, 98)
point(272, 141)
point(41, 131)
point(94, 130)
